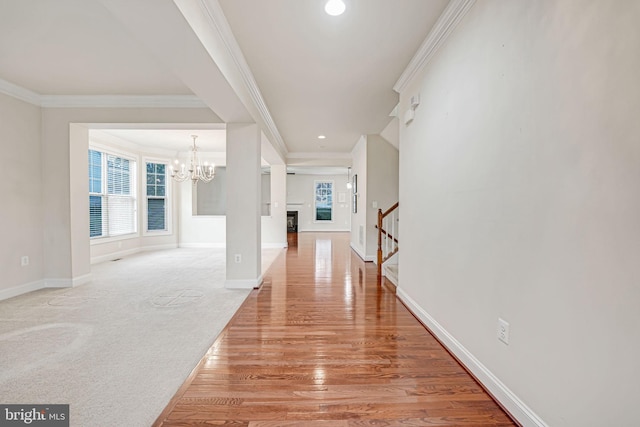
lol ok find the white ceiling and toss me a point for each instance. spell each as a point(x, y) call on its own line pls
point(76, 47)
point(317, 74)
point(177, 140)
point(329, 75)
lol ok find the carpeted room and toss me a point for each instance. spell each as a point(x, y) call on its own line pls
point(118, 348)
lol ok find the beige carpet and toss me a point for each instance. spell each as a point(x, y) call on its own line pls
point(117, 349)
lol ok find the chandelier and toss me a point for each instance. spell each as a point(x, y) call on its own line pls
point(197, 171)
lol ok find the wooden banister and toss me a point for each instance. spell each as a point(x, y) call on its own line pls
point(381, 231)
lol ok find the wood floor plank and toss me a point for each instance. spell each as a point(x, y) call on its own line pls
point(323, 343)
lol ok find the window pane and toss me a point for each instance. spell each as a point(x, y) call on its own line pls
point(118, 175)
point(155, 214)
point(156, 202)
point(95, 216)
point(324, 201)
point(112, 210)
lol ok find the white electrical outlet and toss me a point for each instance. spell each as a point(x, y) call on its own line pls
point(24, 261)
point(238, 258)
point(503, 331)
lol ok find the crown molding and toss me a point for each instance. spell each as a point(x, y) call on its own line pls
point(100, 101)
point(444, 26)
point(19, 92)
point(318, 155)
point(213, 11)
point(121, 101)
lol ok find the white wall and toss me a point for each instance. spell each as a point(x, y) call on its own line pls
point(301, 197)
point(21, 216)
point(359, 219)
point(109, 248)
point(375, 162)
point(64, 161)
point(206, 231)
point(382, 186)
point(274, 226)
point(519, 196)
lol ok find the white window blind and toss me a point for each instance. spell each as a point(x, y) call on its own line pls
point(112, 198)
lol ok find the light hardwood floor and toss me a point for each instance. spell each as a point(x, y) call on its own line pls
point(321, 343)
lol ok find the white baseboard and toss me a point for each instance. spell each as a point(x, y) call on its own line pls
point(243, 284)
point(274, 245)
point(81, 280)
point(21, 289)
point(223, 245)
point(113, 255)
point(67, 283)
point(500, 392)
point(328, 230)
point(158, 247)
point(361, 255)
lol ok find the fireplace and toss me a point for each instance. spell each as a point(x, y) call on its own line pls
point(292, 221)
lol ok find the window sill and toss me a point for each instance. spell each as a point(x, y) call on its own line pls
point(105, 240)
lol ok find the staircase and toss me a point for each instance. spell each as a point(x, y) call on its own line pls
point(388, 223)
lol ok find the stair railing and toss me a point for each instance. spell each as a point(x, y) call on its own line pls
point(387, 235)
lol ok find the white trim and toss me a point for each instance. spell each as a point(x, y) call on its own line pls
point(218, 22)
point(499, 390)
point(81, 280)
point(67, 283)
point(113, 255)
point(323, 230)
point(444, 26)
point(159, 247)
point(393, 279)
point(100, 101)
point(243, 284)
point(58, 283)
point(19, 92)
point(318, 155)
point(361, 255)
point(121, 101)
point(21, 289)
point(274, 245)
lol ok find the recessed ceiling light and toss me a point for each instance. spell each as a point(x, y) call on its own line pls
point(335, 7)
point(321, 137)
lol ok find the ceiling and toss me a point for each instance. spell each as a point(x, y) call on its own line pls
point(317, 74)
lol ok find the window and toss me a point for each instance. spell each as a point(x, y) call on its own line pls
point(156, 196)
point(112, 201)
point(324, 200)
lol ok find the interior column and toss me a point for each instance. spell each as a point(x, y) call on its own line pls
point(243, 206)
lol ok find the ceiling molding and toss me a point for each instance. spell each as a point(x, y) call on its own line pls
point(19, 92)
point(219, 22)
point(122, 101)
point(100, 101)
point(451, 16)
point(318, 155)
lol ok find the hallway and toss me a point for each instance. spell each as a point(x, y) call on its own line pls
point(322, 344)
